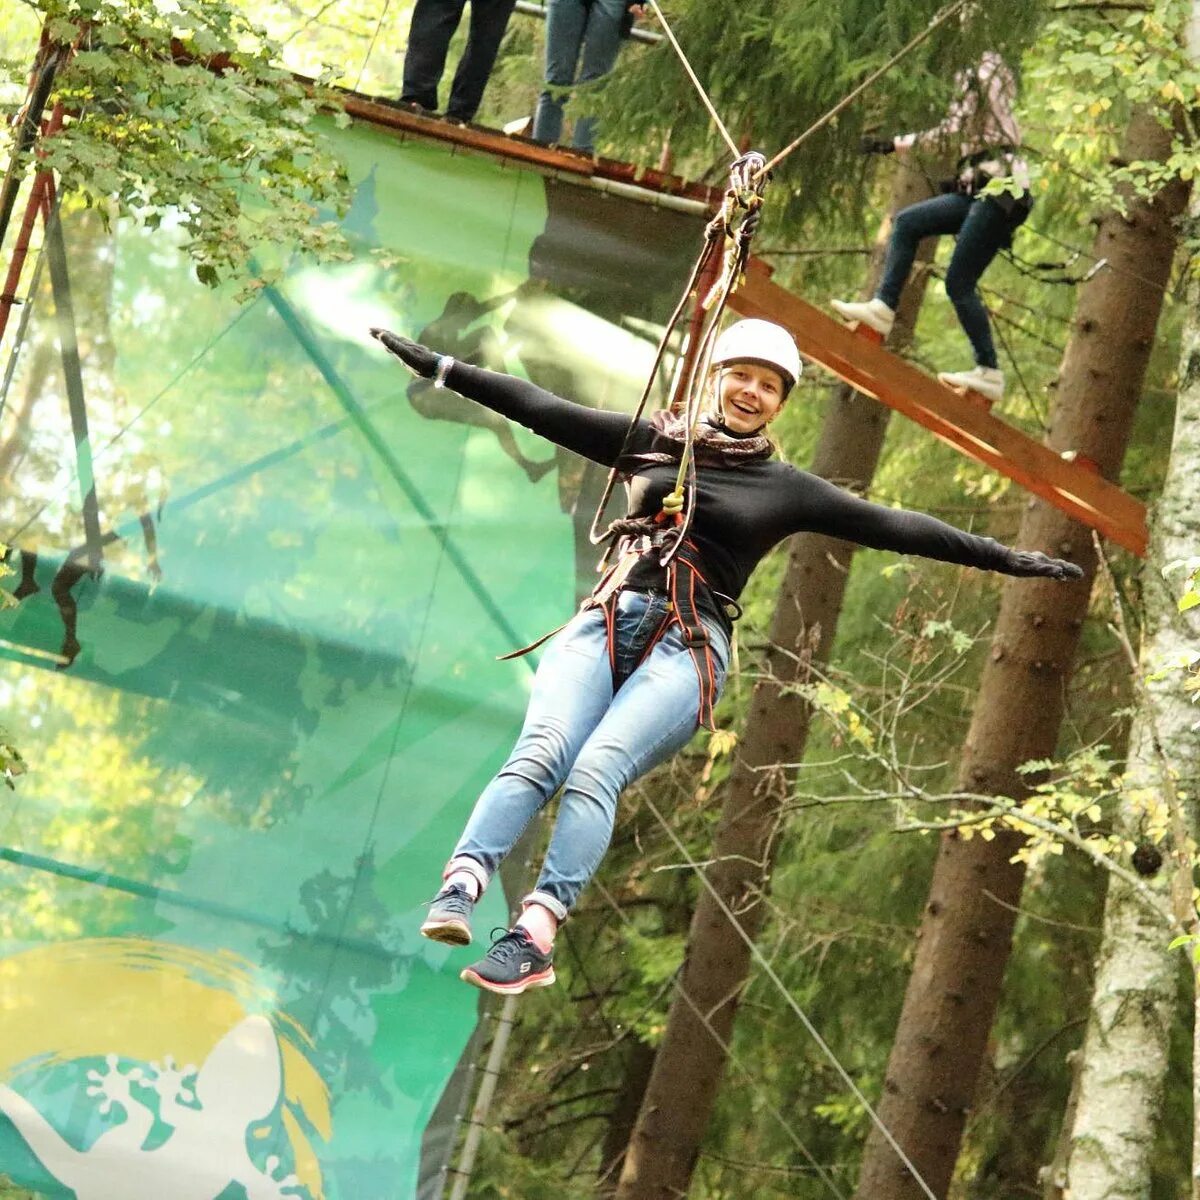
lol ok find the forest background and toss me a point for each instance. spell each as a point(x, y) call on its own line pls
point(885, 715)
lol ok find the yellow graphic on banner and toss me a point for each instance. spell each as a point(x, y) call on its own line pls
point(195, 1055)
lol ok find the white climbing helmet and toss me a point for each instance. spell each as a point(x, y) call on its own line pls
point(761, 342)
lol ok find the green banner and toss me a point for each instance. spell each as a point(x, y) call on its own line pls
point(256, 732)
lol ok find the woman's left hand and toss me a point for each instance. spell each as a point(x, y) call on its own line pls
point(1029, 563)
point(638, 10)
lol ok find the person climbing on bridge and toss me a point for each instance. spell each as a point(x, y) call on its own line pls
point(626, 682)
point(981, 119)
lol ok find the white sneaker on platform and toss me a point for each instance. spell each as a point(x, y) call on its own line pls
point(987, 381)
point(872, 313)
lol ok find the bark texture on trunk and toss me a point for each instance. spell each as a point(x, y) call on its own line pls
point(1054, 1174)
point(689, 1064)
point(1136, 992)
point(966, 930)
point(639, 1063)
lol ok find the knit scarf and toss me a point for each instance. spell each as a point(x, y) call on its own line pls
point(713, 445)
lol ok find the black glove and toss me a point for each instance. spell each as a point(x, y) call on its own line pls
point(420, 360)
point(1034, 562)
point(874, 145)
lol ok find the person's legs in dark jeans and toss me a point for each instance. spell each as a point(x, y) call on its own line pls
point(433, 25)
point(489, 19)
point(985, 232)
point(926, 218)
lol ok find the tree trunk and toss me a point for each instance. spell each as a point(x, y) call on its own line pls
point(1054, 1175)
point(638, 1066)
point(689, 1064)
point(966, 931)
point(1136, 991)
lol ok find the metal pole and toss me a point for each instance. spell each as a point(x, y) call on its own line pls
point(529, 9)
point(483, 1099)
point(41, 79)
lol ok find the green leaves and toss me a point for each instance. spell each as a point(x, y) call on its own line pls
point(12, 764)
point(182, 109)
point(1102, 70)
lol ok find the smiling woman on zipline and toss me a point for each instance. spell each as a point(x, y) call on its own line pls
point(625, 683)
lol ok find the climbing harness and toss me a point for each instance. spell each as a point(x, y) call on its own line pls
point(724, 253)
point(727, 239)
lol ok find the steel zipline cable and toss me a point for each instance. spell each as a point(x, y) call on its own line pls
point(937, 21)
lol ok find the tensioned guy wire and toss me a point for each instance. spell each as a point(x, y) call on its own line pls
point(850, 97)
point(762, 961)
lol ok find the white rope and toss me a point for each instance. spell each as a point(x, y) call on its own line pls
point(727, 1049)
point(371, 47)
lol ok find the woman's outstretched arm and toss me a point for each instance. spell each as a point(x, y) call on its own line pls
point(591, 432)
point(822, 507)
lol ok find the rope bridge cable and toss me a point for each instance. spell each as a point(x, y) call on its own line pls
point(727, 1050)
point(792, 1003)
point(848, 99)
point(940, 19)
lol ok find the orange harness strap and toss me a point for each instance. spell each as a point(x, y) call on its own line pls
point(683, 573)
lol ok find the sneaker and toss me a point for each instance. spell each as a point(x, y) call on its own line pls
point(513, 964)
point(874, 314)
point(987, 381)
point(521, 127)
point(449, 917)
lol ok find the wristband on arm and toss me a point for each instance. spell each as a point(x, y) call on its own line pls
point(444, 364)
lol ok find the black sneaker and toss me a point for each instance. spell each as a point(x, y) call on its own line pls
point(449, 917)
point(513, 964)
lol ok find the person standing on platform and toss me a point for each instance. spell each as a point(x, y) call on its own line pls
point(981, 121)
point(583, 38)
point(433, 25)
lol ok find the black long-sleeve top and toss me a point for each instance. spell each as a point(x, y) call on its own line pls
point(742, 511)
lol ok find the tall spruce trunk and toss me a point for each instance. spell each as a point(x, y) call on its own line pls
point(1135, 997)
point(689, 1064)
point(966, 929)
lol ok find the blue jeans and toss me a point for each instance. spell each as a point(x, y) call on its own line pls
point(433, 25)
point(983, 229)
point(572, 26)
point(593, 743)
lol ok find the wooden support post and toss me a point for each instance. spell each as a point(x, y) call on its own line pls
point(963, 423)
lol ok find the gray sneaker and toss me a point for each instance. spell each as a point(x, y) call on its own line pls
point(449, 917)
point(512, 965)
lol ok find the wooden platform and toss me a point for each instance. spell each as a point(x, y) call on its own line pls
point(1074, 486)
point(551, 159)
